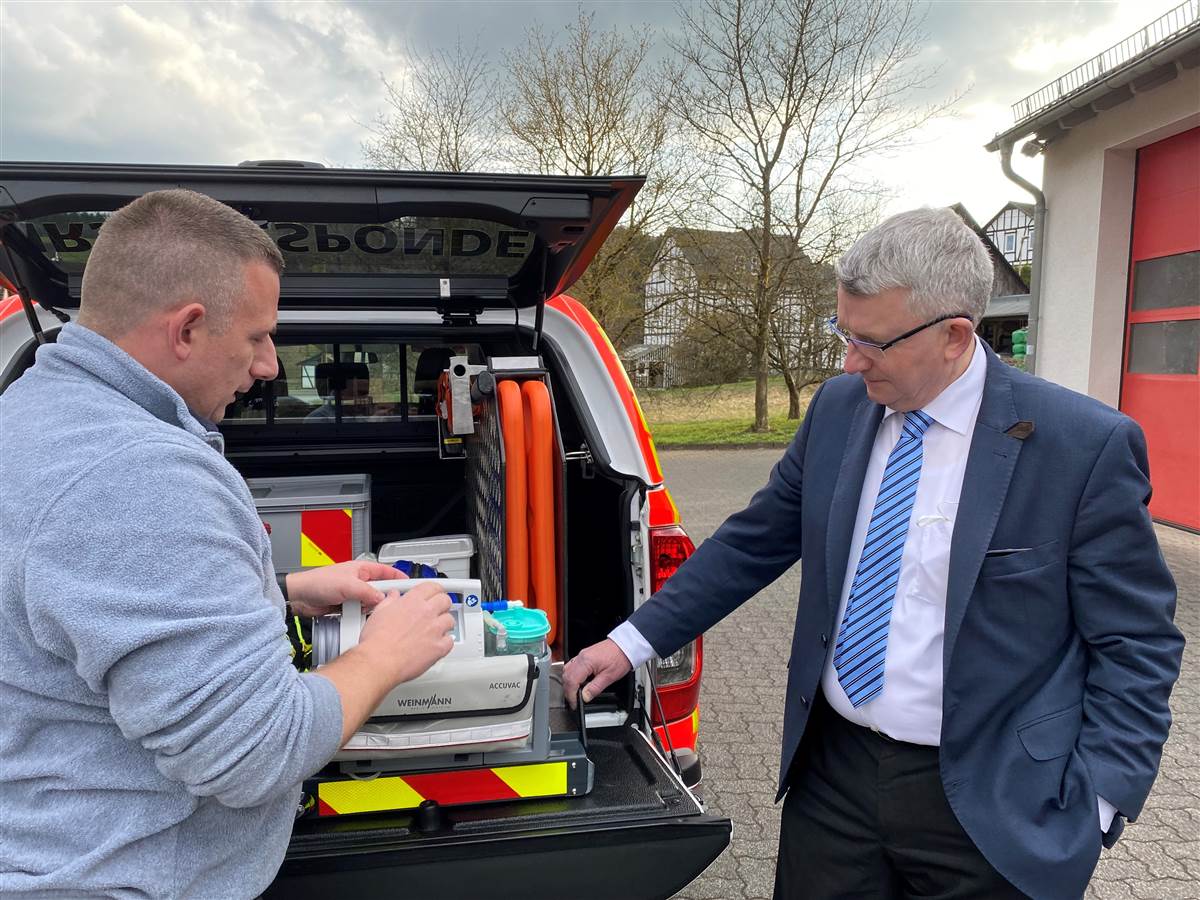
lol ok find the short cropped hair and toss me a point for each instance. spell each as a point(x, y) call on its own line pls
point(932, 252)
point(166, 248)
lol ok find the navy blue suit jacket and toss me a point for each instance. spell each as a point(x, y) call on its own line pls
point(1058, 660)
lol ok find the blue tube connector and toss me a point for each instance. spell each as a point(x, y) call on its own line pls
point(489, 605)
point(416, 570)
point(495, 605)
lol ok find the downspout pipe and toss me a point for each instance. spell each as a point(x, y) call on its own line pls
point(1039, 236)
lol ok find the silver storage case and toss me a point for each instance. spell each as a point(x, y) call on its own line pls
point(314, 519)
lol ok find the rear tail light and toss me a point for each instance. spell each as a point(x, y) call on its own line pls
point(669, 547)
point(678, 667)
point(678, 675)
point(678, 679)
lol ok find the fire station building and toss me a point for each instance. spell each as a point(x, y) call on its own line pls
point(1115, 299)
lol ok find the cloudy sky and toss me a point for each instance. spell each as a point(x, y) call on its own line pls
point(197, 82)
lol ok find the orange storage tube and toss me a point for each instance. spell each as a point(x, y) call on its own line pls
point(516, 534)
point(539, 451)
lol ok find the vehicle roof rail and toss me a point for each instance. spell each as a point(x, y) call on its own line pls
point(279, 164)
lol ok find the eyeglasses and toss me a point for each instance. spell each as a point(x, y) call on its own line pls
point(874, 351)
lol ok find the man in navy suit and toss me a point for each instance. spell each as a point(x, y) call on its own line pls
point(984, 644)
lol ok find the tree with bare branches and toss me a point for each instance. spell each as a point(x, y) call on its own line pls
point(801, 348)
point(440, 116)
point(786, 99)
point(712, 297)
point(591, 102)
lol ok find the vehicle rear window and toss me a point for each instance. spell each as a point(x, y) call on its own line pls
point(412, 245)
point(324, 384)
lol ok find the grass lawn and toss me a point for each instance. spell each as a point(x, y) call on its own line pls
point(721, 432)
point(720, 415)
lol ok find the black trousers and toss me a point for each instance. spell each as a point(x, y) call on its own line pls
point(866, 817)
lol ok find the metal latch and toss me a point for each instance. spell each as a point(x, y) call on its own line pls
point(467, 315)
point(587, 461)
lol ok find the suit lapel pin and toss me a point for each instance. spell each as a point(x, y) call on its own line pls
point(1020, 431)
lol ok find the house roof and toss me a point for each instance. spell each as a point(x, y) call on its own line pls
point(641, 352)
point(1010, 306)
point(1026, 208)
point(998, 258)
point(714, 254)
point(1146, 59)
point(719, 254)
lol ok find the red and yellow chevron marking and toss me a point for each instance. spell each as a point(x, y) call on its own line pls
point(337, 798)
point(684, 732)
point(326, 536)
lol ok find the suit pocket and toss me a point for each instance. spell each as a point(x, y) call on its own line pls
point(1021, 561)
point(1053, 735)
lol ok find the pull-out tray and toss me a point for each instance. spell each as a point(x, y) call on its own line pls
point(639, 834)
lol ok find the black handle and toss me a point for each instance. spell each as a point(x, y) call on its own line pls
point(582, 719)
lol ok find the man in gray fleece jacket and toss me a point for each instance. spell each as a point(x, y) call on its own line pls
point(154, 732)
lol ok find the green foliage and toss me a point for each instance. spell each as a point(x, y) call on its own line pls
point(718, 416)
point(722, 432)
point(705, 354)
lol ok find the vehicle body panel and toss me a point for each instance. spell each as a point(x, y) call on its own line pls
point(643, 835)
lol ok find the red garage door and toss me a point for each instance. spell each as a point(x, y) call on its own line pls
point(1161, 384)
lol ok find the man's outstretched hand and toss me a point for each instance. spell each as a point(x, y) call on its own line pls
point(314, 592)
point(602, 663)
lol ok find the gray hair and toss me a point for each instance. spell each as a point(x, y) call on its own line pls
point(933, 252)
point(167, 248)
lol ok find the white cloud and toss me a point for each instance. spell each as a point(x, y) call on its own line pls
point(950, 165)
point(221, 82)
point(1051, 50)
point(1005, 52)
point(191, 83)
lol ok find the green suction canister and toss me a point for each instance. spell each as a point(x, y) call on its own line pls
point(520, 630)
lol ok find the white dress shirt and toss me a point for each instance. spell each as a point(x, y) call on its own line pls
point(909, 708)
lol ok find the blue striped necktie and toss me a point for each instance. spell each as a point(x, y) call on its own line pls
point(861, 646)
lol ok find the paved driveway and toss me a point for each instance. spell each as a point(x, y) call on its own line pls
point(742, 701)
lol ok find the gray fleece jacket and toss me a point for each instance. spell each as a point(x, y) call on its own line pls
point(153, 733)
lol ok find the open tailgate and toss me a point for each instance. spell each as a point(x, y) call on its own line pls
point(639, 834)
point(453, 242)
